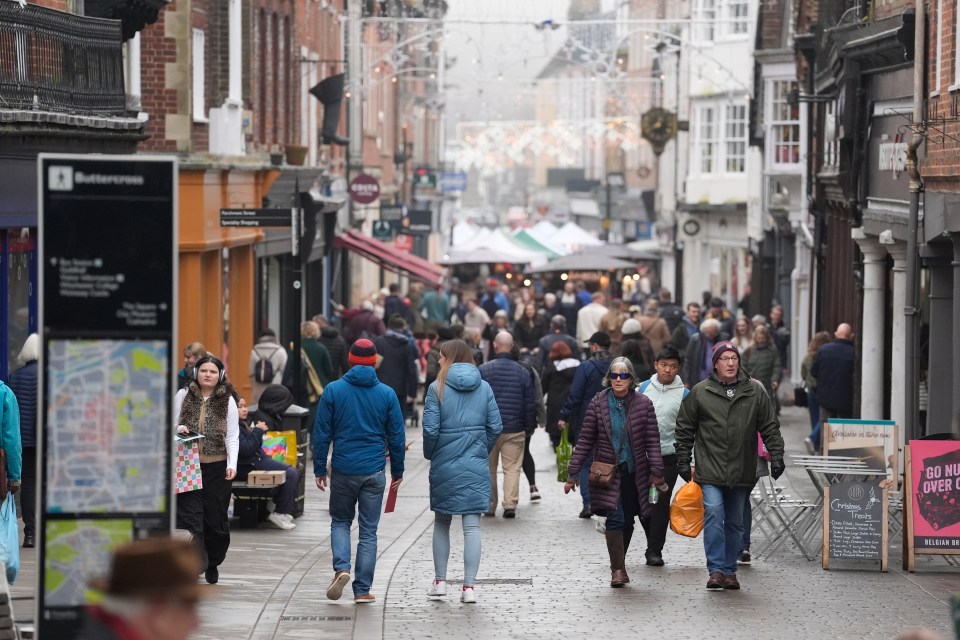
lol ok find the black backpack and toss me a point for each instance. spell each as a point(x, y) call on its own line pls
point(263, 372)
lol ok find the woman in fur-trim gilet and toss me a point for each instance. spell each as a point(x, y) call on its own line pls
point(207, 407)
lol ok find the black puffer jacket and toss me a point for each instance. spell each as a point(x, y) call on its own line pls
point(399, 367)
point(513, 389)
point(274, 400)
point(338, 350)
point(23, 383)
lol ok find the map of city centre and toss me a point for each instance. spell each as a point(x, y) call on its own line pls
point(77, 552)
point(107, 437)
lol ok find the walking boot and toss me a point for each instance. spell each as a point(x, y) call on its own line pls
point(618, 571)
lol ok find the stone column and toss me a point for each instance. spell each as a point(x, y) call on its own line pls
point(939, 365)
point(898, 251)
point(871, 340)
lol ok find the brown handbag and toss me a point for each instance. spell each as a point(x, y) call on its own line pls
point(603, 473)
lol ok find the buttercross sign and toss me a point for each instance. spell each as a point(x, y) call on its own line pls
point(364, 189)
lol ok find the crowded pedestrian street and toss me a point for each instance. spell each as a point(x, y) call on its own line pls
point(544, 575)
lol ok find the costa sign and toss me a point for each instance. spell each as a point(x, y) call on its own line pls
point(364, 189)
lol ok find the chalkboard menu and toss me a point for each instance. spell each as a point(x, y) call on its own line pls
point(855, 522)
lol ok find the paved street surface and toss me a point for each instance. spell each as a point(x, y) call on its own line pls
point(545, 575)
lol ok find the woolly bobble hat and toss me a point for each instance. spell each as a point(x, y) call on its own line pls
point(631, 326)
point(721, 348)
point(363, 353)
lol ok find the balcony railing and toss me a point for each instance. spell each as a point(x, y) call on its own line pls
point(55, 61)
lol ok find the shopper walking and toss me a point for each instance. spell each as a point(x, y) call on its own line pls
point(621, 428)
point(361, 417)
point(557, 379)
point(461, 424)
point(23, 383)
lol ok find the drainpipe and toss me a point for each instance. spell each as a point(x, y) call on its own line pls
point(911, 307)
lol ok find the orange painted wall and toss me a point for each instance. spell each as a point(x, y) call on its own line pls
point(213, 310)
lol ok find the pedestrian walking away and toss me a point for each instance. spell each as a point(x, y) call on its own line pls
point(557, 380)
point(833, 367)
point(207, 407)
point(361, 417)
point(267, 362)
point(665, 389)
point(620, 428)
point(720, 420)
point(513, 389)
point(461, 424)
point(23, 383)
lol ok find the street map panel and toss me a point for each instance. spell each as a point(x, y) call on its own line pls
point(78, 551)
point(107, 436)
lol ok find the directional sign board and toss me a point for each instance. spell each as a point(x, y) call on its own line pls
point(453, 181)
point(383, 230)
point(255, 217)
point(108, 291)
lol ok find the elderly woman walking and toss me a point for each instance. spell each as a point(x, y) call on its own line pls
point(620, 428)
point(461, 423)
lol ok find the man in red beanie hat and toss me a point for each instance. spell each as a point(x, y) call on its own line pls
point(722, 417)
point(357, 413)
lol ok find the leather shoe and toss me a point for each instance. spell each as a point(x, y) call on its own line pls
point(212, 575)
point(654, 559)
point(28, 540)
point(618, 578)
point(586, 513)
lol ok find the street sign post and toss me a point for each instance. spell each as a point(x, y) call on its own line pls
point(453, 181)
point(256, 217)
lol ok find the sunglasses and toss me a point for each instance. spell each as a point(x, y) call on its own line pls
point(619, 376)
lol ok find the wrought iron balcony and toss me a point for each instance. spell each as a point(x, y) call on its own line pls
point(60, 62)
point(134, 14)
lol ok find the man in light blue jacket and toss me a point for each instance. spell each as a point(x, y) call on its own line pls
point(666, 390)
point(361, 417)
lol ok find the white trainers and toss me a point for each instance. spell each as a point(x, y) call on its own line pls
point(289, 518)
point(468, 595)
point(437, 589)
point(280, 522)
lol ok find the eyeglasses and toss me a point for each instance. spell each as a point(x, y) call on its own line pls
point(619, 376)
point(726, 359)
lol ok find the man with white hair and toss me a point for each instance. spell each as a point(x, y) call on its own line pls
point(698, 361)
point(513, 389)
point(590, 317)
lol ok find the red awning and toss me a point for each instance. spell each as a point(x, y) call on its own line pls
point(390, 258)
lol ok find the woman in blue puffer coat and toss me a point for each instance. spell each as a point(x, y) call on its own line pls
point(461, 424)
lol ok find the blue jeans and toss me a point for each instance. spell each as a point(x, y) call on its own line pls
point(365, 495)
point(585, 480)
point(723, 526)
point(471, 546)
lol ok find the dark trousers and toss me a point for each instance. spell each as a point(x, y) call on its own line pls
point(284, 495)
point(529, 468)
point(656, 525)
point(28, 490)
point(204, 513)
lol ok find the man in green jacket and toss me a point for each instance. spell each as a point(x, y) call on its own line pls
point(720, 419)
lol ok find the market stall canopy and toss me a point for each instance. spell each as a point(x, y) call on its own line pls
point(496, 244)
point(543, 229)
point(624, 251)
point(584, 262)
point(390, 258)
point(573, 235)
point(527, 240)
point(464, 231)
point(477, 240)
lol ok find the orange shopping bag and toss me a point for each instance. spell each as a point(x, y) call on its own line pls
point(686, 511)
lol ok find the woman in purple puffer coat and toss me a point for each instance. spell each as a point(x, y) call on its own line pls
point(620, 428)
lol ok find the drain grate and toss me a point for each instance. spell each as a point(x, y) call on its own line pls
point(315, 618)
point(525, 581)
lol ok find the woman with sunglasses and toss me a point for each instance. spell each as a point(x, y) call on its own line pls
point(620, 428)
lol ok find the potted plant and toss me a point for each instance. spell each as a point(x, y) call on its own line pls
point(296, 154)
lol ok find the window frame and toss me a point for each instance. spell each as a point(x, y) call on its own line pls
point(713, 142)
point(775, 124)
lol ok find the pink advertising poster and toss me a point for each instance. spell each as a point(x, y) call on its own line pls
point(935, 487)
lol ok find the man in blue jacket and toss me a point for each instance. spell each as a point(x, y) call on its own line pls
point(361, 417)
point(833, 366)
point(513, 389)
point(587, 382)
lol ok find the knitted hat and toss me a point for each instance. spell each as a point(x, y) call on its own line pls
point(721, 348)
point(363, 353)
point(631, 326)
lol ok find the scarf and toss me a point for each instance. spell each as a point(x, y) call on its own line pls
point(618, 421)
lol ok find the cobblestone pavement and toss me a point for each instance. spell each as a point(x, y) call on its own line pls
point(545, 575)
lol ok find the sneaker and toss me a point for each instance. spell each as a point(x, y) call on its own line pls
point(468, 595)
point(744, 557)
point(279, 521)
point(585, 512)
point(340, 580)
point(716, 580)
point(438, 589)
point(811, 449)
point(534, 493)
point(730, 581)
point(654, 558)
point(365, 598)
point(509, 513)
